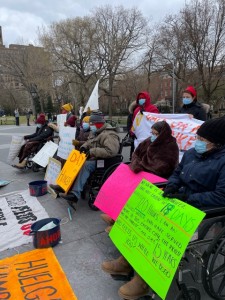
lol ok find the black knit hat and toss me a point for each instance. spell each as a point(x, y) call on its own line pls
point(213, 130)
point(97, 117)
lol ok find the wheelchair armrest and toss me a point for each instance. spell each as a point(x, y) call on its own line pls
point(212, 212)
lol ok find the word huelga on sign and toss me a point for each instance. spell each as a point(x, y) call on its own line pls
point(35, 274)
point(152, 232)
point(70, 170)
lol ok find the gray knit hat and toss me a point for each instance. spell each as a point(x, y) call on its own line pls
point(97, 117)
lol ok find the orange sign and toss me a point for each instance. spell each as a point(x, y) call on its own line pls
point(70, 170)
point(35, 274)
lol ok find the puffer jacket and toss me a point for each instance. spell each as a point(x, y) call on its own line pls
point(41, 134)
point(195, 109)
point(147, 107)
point(201, 178)
point(104, 144)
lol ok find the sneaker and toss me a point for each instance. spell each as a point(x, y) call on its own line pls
point(56, 188)
point(69, 197)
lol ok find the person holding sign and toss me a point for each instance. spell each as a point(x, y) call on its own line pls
point(199, 179)
point(191, 106)
point(67, 109)
point(83, 133)
point(104, 143)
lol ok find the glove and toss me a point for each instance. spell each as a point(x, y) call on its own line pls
point(85, 151)
point(182, 197)
point(75, 143)
point(169, 190)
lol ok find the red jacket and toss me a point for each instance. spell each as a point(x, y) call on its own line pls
point(147, 107)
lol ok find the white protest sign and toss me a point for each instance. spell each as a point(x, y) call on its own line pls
point(183, 127)
point(61, 119)
point(66, 134)
point(16, 144)
point(48, 150)
point(93, 100)
point(18, 212)
point(52, 172)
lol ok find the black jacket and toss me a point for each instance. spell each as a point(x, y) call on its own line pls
point(195, 109)
point(41, 134)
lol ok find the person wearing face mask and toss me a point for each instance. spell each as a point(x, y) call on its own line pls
point(143, 102)
point(158, 154)
point(84, 133)
point(103, 142)
point(33, 141)
point(191, 106)
point(67, 109)
point(200, 177)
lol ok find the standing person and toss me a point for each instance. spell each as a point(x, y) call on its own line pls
point(143, 102)
point(67, 109)
point(28, 117)
point(17, 116)
point(131, 109)
point(191, 106)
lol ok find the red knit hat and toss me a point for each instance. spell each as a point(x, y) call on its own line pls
point(191, 90)
point(41, 119)
point(71, 121)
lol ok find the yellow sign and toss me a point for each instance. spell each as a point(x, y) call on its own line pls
point(70, 170)
point(35, 274)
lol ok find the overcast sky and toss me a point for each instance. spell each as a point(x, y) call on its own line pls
point(21, 18)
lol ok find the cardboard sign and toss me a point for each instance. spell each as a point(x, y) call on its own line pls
point(66, 134)
point(16, 144)
point(17, 213)
point(153, 232)
point(52, 172)
point(183, 128)
point(70, 170)
point(42, 157)
point(124, 182)
point(35, 274)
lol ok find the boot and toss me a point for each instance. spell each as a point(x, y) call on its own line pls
point(119, 266)
point(107, 219)
point(22, 164)
point(108, 229)
point(134, 289)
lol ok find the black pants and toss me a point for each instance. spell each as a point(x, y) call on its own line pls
point(28, 122)
point(17, 121)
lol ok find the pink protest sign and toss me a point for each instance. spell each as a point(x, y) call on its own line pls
point(118, 188)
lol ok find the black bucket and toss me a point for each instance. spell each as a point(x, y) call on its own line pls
point(38, 188)
point(46, 238)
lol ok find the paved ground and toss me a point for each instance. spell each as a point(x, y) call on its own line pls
point(84, 245)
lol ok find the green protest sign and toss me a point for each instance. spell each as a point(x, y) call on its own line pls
point(152, 233)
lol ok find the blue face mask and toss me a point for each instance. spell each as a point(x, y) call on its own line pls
point(200, 146)
point(187, 101)
point(85, 126)
point(153, 137)
point(39, 125)
point(141, 101)
point(93, 128)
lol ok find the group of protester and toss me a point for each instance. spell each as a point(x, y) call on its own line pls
point(199, 179)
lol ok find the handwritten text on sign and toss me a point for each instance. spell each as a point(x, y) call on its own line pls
point(35, 274)
point(70, 170)
point(153, 232)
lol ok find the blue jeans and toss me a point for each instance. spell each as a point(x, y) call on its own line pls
point(78, 185)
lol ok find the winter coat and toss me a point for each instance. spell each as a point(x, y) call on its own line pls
point(41, 134)
point(195, 109)
point(147, 107)
point(131, 109)
point(83, 136)
point(104, 144)
point(159, 157)
point(201, 178)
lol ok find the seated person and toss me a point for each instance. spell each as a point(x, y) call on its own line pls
point(105, 143)
point(158, 154)
point(198, 180)
point(34, 140)
point(83, 133)
point(200, 177)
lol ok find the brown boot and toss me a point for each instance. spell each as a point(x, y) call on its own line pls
point(119, 266)
point(22, 164)
point(134, 289)
point(107, 219)
point(108, 229)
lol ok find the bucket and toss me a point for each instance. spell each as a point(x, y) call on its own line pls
point(38, 188)
point(46, 238)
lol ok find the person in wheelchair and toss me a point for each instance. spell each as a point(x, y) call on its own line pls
point(200, 177)
point(103, 142)
point(34, 141)
point(82, 134)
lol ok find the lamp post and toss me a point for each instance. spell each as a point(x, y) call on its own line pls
point(36, 103)
point(174, 87)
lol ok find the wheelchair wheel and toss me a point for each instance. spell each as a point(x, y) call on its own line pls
point(213, 270)
point(91, 200)
point(108, 172)
point(193, 294)
point(35, 167)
